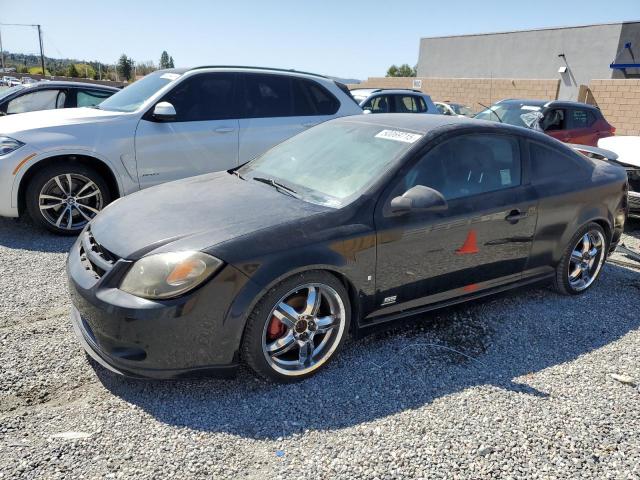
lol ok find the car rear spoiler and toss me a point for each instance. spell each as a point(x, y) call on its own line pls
point(595, 152)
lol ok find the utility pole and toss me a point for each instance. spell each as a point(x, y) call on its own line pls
point(41, 49)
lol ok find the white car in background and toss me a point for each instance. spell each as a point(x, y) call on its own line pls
point(627, 148)
point(454, 109)
point(64, 166)
point(381, 100)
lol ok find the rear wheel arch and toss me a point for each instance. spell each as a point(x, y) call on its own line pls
point(99, 165)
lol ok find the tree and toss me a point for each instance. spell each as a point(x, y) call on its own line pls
point(72, 71)
point(403, 70)
point(165, 61)
point(125, 67)
point(171, 64)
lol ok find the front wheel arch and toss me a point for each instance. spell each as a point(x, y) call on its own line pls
point(100, 166)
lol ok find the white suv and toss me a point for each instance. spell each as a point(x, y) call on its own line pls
point(63, 166)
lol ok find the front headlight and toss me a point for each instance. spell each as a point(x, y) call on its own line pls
point(8, 145)
point(168, 275)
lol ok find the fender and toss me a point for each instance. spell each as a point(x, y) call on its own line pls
point(598, 214)
point(252, 292)
point(125, 184)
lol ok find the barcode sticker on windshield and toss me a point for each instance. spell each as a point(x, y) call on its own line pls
point(399, 136)
point(169, 76)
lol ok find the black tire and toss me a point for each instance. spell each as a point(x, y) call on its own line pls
point(78, 172)
point(562, 281)
point(257, 330)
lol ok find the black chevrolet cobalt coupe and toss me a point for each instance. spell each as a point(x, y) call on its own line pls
point(355, 222)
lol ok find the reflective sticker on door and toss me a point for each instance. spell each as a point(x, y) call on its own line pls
point(399, 136)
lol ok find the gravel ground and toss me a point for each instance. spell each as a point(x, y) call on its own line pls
point(516, 386)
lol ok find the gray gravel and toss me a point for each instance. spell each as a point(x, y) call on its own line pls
point(516, 386)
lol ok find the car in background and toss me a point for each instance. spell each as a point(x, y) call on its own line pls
point(569, 122)
point(357, 222)
point(28, 81)
point(627, 154)
point(63, 166)
point(52, 95)
point(379, 100)
point(454, 109)
point(11, 81)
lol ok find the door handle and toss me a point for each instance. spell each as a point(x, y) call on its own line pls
point(309, 124)
point(515, 216)
point(224, 130)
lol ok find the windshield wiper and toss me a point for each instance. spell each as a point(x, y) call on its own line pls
point(278, 186)
point(492, 111)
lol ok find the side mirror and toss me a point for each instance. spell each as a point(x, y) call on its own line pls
point(164, 112)
point(419, 199)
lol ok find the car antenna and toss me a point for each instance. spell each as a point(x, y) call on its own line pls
point(492, 111)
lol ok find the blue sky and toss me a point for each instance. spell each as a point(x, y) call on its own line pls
point(349, 38)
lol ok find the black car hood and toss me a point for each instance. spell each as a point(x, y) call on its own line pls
point(194, 213)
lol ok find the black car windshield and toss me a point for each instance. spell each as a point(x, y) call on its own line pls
point(10, 91)
point(333, 163)
point(507, 113)
point(130, 98)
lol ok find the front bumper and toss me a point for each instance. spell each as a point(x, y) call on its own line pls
point(193, 334)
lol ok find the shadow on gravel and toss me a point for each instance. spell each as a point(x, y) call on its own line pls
point(22, 234)
point(495, 342)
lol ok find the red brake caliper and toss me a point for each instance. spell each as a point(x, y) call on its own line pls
point(275, 329)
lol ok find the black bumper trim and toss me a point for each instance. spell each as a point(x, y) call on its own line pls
point(223, 371)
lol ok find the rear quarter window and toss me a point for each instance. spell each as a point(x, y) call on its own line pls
point(549, 165)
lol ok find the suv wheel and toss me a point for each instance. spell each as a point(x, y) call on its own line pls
point(64, 197)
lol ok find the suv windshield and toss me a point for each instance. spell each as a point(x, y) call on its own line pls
point(508, 113)
point(130, 98)
point(333, 163)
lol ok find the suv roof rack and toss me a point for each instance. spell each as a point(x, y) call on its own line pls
point(290, 70)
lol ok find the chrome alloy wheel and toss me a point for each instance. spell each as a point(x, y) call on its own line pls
point(586, 260)
point(304, 329)
point(69, 201)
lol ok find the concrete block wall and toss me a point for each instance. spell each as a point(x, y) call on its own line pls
point(471, 91)
point(619, 101)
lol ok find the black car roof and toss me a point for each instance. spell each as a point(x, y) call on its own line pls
point(428, 123)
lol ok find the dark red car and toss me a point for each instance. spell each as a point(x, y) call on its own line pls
point(569, 122)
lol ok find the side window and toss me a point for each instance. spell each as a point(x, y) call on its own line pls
point(90, 98)
point(548, 164)
point(309, 98)
point(205, 96)
point(268, 96)
point(554, 120)
point(422, 105)
point(40, 100)
point(580, 118)
point(379, 104)
point(469, 165)
point(406, 104)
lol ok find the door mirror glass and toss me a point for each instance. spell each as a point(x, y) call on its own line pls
point(419, 199)
point(164, 112)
